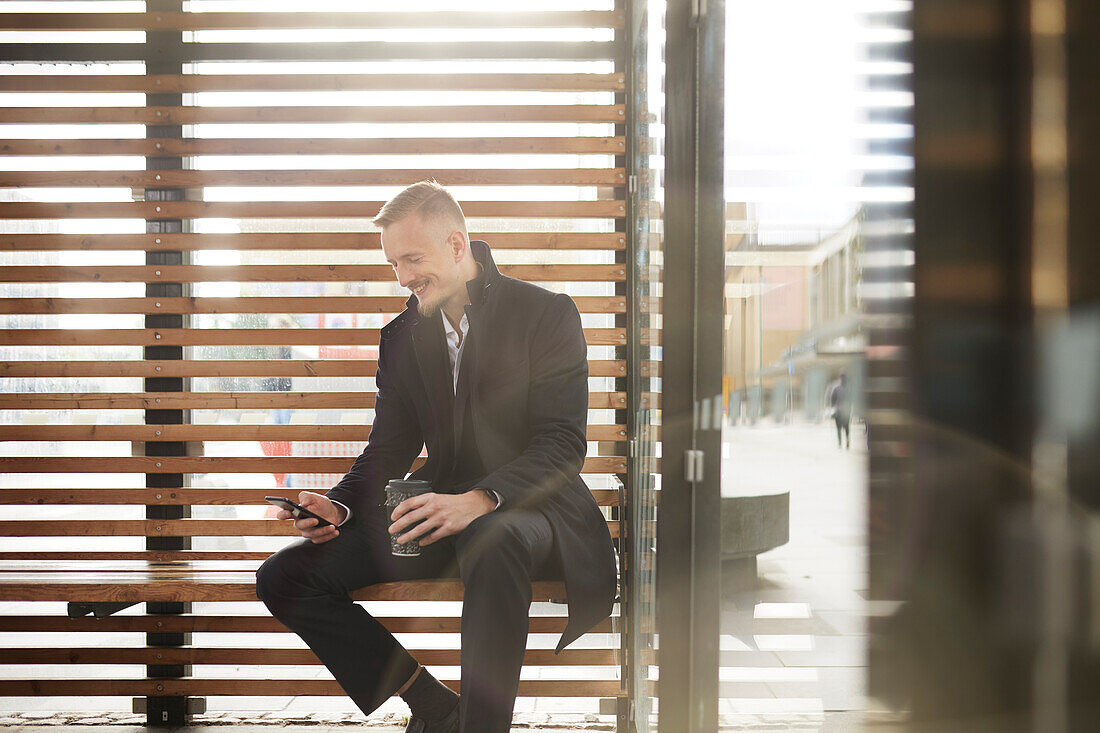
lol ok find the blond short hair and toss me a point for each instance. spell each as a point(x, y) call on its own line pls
point(433, 203)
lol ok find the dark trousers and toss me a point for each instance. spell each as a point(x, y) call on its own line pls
point(843, 423)
point(306, 587)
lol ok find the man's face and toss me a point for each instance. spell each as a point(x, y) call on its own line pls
point(424, 262)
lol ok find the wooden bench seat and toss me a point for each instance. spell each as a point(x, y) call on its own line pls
point(200, 580)
point(100, 588)
point(129, 581)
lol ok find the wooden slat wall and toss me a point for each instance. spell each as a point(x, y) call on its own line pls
point(533, 240)
point(533, 148)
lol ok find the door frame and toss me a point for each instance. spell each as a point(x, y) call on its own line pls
point(689, 516)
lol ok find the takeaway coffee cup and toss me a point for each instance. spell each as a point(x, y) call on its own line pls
point(397, 490)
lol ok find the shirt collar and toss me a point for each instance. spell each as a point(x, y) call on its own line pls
point(450, 330)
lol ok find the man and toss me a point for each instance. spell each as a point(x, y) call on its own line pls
point(841, 403)
point(490, 373)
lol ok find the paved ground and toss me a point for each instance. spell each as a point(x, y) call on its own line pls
point(797, 643)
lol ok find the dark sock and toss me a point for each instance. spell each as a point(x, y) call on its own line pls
point(428, 698)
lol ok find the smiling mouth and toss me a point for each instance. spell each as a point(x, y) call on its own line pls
point(419, 289)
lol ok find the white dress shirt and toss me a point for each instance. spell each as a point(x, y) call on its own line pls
point(456, 344)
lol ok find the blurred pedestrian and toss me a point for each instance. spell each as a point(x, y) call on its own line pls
point(841, 402)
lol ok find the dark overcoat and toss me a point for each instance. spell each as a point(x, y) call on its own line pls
point(525, 377)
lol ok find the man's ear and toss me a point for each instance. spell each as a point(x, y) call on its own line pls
point(456, 242)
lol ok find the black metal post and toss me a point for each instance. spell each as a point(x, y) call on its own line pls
point(165, 54)
point(622, 192)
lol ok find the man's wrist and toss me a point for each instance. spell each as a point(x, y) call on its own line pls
point(494, 498)
point(342, 512)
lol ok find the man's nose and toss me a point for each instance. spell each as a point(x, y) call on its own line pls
point(403, 276)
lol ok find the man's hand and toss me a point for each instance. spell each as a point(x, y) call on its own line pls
point(322, 507)
point(446, 514)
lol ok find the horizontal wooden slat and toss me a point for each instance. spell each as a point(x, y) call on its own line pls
point(143, 433)
point(153, 528)
point(218, 368)
point(343, 51)
point(224, 400)
point(148, 556)
point(186, 496)
point(187, 400)
point(255, 304)
point(320, 146)
point(139, 528)
point(326, 177)
point(238, 656)
point(295, 241)
point(190, 83)
point(230, 368)
point(187, 623)
point(192, 568)
point(294, 209)
point(290, 688)
point(282, 273)
point(222, 464)
point(155, 587)
point(231, 336)
point(161, 21)
point(565, 113)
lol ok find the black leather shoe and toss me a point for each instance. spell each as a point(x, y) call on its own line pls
point(448, 724)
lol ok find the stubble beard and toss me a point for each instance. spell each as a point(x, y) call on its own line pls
point(428, 310)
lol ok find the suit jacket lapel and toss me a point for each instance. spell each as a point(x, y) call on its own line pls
point(467, 383)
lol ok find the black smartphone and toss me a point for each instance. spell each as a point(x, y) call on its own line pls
point(297, 510)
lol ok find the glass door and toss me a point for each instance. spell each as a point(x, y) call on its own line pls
point(814, 168)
